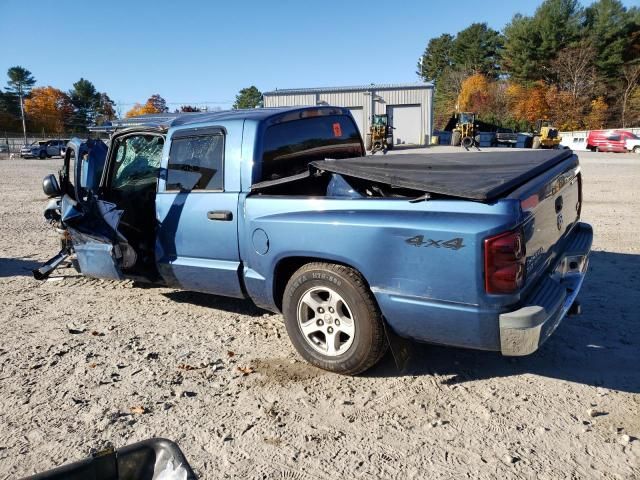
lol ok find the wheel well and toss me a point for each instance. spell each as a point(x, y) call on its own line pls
point(288, 266)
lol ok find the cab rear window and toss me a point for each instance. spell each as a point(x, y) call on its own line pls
point(289, 147)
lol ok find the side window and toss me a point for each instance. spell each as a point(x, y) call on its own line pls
point(614, 138)
point(137, 161)
point(290, 146)
point(195, 163)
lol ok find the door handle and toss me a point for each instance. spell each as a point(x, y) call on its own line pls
point(222, 215)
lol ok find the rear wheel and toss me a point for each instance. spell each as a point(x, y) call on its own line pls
point(456, 138)
point(636, 149)
point(332, 318)
point(537, 143)
point(467, 142)
point(596, 149)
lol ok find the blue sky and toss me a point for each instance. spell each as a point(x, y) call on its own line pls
point(197, 51)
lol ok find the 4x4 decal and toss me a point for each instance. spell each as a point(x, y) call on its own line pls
point(420, 241)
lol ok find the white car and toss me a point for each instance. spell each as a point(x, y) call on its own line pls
point(632, 143)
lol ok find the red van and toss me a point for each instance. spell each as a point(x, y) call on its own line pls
point(610, 140)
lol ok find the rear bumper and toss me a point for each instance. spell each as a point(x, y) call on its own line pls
point(522, 331)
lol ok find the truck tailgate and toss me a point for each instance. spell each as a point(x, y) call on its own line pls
point(550, 206)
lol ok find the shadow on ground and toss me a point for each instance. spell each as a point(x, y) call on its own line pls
point(232, 305)
point(17, 267)
point(601, 347)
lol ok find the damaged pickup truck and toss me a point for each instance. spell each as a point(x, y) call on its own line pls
point(479, 250)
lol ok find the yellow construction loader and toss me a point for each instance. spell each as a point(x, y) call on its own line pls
point(465, 131)
point(380, 136)
point(545, 135)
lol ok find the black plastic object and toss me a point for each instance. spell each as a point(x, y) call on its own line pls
point(45, 270)
point(144, 460)
point(50, 186)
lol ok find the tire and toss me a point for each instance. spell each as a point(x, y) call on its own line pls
point(636, 149)
point(467, 142)
point(537, 143)
point(477, 139)
point(596, 149)
point(42, 155)
point(389, 143)
point(367, 143)
point(343, 325)
point(456, 137)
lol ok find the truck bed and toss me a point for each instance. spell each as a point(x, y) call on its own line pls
point(478, 176)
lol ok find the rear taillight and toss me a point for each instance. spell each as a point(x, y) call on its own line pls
point(504, 262)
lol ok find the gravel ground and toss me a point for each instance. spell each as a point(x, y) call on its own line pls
point(77, 355)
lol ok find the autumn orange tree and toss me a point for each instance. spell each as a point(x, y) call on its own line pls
point(597, 115)
point(475, 95)
point(528, 103)
point(154, 104)
point(139, 109)
point(48, 108)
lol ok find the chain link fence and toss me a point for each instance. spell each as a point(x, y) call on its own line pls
point(12, 142)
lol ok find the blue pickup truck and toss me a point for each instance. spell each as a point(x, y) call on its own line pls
point(478, 250)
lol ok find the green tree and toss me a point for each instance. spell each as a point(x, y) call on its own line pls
point(9, 112)
point(436, 58)
point(446, 94)
point(20, 83)
point(477, 48)
point(159, 103)
point(610, 28)
point(558, 23)
point(189, 109)
point(105, 109)
point(86, 100)
point(9, 104)
point(249, 97)
point(532, 43)
point(520, 54)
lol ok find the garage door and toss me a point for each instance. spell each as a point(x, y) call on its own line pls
point(358, 116)
point(407, 124)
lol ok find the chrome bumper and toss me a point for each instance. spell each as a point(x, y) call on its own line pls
point(524, 330)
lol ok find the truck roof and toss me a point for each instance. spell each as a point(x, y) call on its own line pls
point(168, 120)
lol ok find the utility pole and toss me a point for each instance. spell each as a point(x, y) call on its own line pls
point(24, 125)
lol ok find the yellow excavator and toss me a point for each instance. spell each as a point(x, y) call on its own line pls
point(545, 135)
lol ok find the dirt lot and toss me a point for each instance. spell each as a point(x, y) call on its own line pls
point(77, 354)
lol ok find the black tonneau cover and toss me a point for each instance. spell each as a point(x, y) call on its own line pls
point(482, 176)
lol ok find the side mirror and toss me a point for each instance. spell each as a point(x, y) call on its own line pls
point(50, 186)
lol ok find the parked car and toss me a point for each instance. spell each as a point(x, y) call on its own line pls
point(612, 141)
point(482, 250)
point(632, 143)
point(44, 149)
point(4, 148)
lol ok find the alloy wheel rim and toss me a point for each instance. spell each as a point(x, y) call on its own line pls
point(326, 321)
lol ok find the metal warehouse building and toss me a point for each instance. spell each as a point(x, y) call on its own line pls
point(409, 106)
